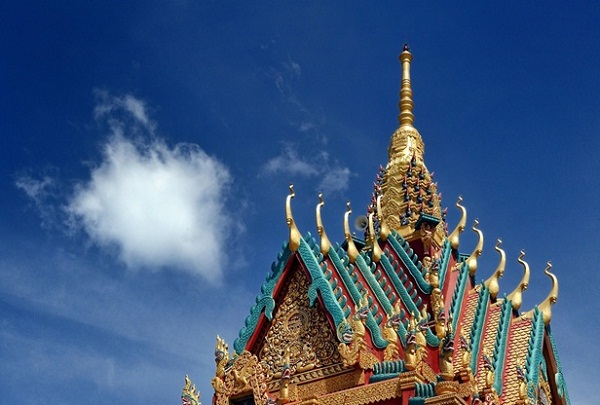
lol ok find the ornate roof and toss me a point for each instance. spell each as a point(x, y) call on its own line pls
point(396, 317)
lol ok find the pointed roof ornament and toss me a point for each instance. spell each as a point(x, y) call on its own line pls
point(472, 260)
point(516, 297)
point(545, 307)
point(460, 228)
point(406, 104)
point(294, 242)
point(492, 283)
point(375, 249)
point(325, 243)
point(352, 250)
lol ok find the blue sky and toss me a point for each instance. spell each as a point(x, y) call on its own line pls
point(146, 151)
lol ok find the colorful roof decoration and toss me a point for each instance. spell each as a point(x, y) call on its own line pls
point(394, 318)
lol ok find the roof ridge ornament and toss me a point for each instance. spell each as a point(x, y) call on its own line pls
point(352, 250)
point(545, 307)
point(492, 283)
point(460, 227)
point(376, 251)
point(325, 243)
point(472, 260)
point(516, 297)
point(294, 241)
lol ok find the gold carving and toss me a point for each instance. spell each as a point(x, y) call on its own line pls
point(245, 375)
point(356, 349)
point(189, 396)
point(299, 330)
point(545, 307)
point(366, 394)
point(325, 243)
point(389, 333)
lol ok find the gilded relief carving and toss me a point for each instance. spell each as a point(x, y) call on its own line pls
point(299, 330)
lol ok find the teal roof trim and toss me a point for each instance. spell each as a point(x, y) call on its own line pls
point(409, 302)
point(308, 251)
point(500, 345)
point(477, 328)
point(534, 352)
point(264, 301)
point(356, 290)
point(559, 379)
point(446, 250)
point(458, 295)
point(371, 323)
point(362, 263)
point(410, 260)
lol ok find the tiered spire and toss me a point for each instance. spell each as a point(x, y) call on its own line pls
point(409, 196)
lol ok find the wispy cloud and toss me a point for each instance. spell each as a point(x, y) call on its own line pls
point(334, 178)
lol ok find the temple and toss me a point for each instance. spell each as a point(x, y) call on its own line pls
point(395, 317)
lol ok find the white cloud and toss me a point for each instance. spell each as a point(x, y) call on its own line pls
point(160, 206)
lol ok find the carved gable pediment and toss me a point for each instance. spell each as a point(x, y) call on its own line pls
point(301, 331)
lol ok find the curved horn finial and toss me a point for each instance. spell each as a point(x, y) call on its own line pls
point(352, 250)
point(516, 297)
point(295, 236)
point(325, 244)
point(460, 228)
point(384, 230)
point(376, 250)
point(545, 307)
point(472, 260)
point(492, 283)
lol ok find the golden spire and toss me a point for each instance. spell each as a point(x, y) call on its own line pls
point(545, 307)
point(406, 104)
point(325, 244)
point(516, 297)
point(472, 260)
point(352, 250)
point(492, 283)
point(407, 190)
point(295, 236)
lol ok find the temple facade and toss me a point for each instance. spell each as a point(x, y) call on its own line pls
point(395, 317)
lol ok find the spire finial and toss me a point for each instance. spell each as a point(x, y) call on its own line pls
point(406, 104)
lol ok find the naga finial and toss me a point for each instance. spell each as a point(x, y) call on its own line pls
point(295, 236)
point(460, 228)
point(189, 396)
point(472, 260)
point(384, 230)
point(516, 297)
point(492, 283)
point(325, 244)
point(406, 104)
point(545, 307)
point(352, 250)
point(375, 249)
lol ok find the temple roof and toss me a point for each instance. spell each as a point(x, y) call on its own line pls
point(396, 315)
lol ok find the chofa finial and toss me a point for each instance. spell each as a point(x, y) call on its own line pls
point(472, 260)
point(325, 244)
point(492, 283)
point(545, 307)
point(352, 250)
point(454, 237)
point(516, 297)
point(295, 236)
